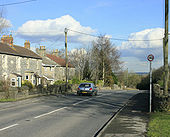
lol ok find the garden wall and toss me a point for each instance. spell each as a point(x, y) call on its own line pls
point(160, 102)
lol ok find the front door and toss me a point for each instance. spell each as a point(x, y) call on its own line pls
point(19, 81)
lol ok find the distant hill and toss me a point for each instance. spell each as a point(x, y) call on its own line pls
point(142, 73)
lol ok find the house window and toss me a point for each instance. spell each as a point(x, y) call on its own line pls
point(13, 81)
point(26, 77)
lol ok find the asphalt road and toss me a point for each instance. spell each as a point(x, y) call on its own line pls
point(63, 116)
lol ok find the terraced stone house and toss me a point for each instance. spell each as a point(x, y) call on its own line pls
point(54, 67)
point(19, 63)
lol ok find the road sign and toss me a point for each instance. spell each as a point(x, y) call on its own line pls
point(150, 57)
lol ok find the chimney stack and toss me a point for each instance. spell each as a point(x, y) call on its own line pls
point(55, 52)
point(27, 44)
point(8, 39)
point(42, 51)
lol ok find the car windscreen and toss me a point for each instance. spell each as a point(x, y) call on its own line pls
point(85, 85)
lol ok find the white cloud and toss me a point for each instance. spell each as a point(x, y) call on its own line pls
point(53, 30)
point(136, 52)
point(153, 35)
point(140, 49)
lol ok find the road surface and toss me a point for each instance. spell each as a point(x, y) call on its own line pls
point(61, 116)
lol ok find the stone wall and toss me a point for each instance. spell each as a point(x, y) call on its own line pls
point(159, 101)
point(16, 93)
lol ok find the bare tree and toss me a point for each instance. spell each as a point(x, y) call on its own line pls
point(4, 23)
point(105, 59)
point(78, 58)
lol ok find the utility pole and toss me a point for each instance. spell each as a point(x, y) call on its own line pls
point(165, 50)
point(127, 79)
point(66, 59)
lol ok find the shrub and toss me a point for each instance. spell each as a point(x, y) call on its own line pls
point(5, 85)
point(28, 84)
point(59, 82)
point(75, 81)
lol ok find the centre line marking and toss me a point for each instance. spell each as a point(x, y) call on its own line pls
point(8, 127)
point(87, 100)
point(81, 101)
point(45, 114)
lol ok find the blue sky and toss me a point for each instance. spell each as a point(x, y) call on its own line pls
point(134, 19)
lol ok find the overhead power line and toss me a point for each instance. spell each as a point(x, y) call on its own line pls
point(15, 3)
point(119, 39)
point(97, 36)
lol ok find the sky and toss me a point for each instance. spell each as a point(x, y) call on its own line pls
point(141, 22)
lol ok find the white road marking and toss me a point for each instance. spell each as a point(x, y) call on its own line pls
point(81, 101)
point(88, 99)
point(45, 114)
point(9, 127)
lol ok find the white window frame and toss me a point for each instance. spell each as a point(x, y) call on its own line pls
point(13, 80)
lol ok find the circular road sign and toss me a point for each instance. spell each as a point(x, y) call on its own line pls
point(150, 57)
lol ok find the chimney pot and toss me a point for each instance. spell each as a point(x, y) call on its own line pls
point(8, 39)
point(27, 44)
point(42, 51)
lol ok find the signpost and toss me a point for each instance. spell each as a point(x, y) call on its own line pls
point(150, 59)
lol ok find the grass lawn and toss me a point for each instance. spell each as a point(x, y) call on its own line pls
point(7, 100)
point(159, 125)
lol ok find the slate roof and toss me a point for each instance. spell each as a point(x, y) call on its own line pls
point(17, 51)
point(59, 60)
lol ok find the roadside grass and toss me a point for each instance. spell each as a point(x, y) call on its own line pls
point(7, 100)
point(159, 125)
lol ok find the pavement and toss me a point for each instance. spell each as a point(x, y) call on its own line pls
point(130, 121)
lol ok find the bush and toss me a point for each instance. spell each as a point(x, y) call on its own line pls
point(28, 84)
point(59, 82)
point(5, 85)
point(157, 78)
point(75, 81)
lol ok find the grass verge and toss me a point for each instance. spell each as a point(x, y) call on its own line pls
point(159, 125)
point(7, 100)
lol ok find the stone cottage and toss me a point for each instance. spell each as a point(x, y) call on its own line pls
point(19, 63)
point(54, 67)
